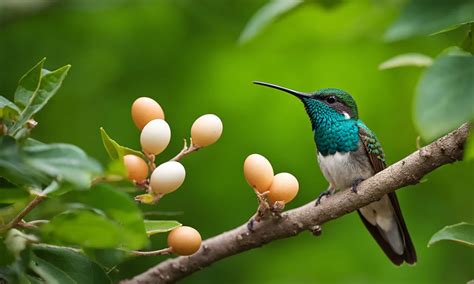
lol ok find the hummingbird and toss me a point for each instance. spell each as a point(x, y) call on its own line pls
point(348, 152)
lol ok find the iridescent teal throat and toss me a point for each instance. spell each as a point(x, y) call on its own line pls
point(332, 131)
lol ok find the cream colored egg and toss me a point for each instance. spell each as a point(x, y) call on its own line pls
point(167, 177)
point(284, 188)
point(145, 110)
point(258, 172)
point(184, 240)
point(206, 130)
point(137, 169)
point(155, 136)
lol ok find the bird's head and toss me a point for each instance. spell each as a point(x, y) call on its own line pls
point(328, 100)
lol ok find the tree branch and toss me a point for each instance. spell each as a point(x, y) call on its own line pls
point(408, 171)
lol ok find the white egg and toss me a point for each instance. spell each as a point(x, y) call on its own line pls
point(155, 136)
point(206, 130)
point(167, 177)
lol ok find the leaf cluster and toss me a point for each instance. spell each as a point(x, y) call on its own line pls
point(96, 226)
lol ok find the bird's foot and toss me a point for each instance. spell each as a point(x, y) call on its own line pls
point(356, 184)
point(322, 194)
point(250, 224)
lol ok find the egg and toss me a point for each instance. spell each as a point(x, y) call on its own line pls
point(184, 240)
point(155, 136)
point(284, 188)
point(137, 169)
point(206, 130)
point(167, 177)
point(258, 172)
point(145, 110)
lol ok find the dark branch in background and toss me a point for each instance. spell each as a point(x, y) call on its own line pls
point(408, 171)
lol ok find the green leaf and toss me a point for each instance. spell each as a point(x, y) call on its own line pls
point(37, 164)
point(63, 162)
point(9, 113)
point(62, 265)
point(84, 228)
point(119, 208)
point(110, 145)
point(13, 166)
point(445, 96)
point(425, 17)
point(4, 102)
point(157, 226)
point(6, 256)
point(12, 195)
point(49, 85)
point(467, 44)
point(407, 59)
point(115, 150)
point(28, 85)
point(462, 233)
point(266, 15)
point(108, 258)
point(116, 167)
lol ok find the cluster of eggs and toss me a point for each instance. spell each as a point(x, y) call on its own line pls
point(258, 172)
point(155, 136)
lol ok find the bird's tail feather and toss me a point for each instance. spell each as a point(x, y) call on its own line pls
point(394, 240)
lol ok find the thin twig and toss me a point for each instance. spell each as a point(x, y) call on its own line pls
point(37, 200)
point(106, 178)
point(151, 253)
point(32, 224)
point(26, 225)
point(186, 150)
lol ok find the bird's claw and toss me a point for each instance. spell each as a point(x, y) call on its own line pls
point(355, 185)
point(250, 225)
point(321, 195)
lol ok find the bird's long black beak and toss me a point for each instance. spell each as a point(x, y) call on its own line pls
point(290, 91)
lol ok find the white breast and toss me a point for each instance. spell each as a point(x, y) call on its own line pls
point(341, 170)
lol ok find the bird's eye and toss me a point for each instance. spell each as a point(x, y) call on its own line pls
point(331, 100)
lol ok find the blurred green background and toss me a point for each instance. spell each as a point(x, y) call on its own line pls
point(185, 55)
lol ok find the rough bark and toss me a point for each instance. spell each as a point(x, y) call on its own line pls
point(408, 171)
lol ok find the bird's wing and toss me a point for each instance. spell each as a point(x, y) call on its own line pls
point(377, 159)
point(373, 148)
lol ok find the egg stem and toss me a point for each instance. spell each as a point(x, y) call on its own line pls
point(186, 150)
